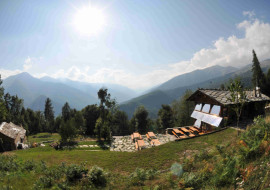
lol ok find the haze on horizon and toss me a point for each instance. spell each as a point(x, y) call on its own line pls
point(138, 44)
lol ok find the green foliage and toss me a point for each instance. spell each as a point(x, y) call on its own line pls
point(120, 123)
point(253, 138)
point(29, 165)
point(226, 172)
point(139, 120)
point(139, 176)
point(182, 110)
point(66, 112)
point(68, 130)
point(8, 163)
point(97, 176)
point(165, 117)
point(49, 115)
point(238, 97)
point(106, 107)
point(258, 78)
point(91, 113)
point(75, 172)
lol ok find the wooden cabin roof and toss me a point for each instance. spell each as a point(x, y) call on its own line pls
point(221, 96)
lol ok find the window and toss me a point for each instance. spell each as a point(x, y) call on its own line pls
point(215, 110)
point(206, 108)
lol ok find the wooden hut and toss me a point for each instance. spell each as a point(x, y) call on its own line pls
point(214, 109)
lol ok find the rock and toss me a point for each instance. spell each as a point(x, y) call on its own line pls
point(42, 145)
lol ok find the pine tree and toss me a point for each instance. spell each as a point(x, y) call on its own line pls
point(165, 117)
point(258, 78)
point(66, 112)
point(49, 115)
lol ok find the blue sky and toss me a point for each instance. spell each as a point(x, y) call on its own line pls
point(142, 43)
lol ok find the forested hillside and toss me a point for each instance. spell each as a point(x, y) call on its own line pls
point(154, 104)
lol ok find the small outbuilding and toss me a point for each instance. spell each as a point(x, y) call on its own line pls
point(214, 109)
point(12, 136)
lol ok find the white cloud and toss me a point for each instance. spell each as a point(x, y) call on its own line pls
point(6, 73)
point(28, 62)
point(250, 14)
point(232, 51)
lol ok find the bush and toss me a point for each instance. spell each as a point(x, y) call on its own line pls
point(226, 172)
point(97, 176)
point(140, 175)
point(75, 172)
point(44, 182)
point(8, 163)
point(29, 165)
point(203, 155)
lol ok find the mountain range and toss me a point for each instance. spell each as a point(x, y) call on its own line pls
point(34, 91)
point(211, 77)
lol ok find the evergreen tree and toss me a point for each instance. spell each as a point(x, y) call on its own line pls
point(3, 109)
point(49, 115)
point(66, 112)
point(258, 78)
point(15, 110)
point(140, 121)
point(182, 110)
point(165, 117)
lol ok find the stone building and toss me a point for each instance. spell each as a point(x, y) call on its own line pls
point(12, 136)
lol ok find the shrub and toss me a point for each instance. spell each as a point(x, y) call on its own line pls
point(203, 155)
point(44, 182)
point(29, 165)
point(97, 176)
point(8, 163)
point(75, 172)
point(226, 172)
point(138, 177)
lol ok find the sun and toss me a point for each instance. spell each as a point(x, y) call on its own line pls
point(89, 20)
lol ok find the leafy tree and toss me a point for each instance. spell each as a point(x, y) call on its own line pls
point(57, 123)
point(139, 121)
point(165, 117)
point(80, 122)
point(49, 115)
point(91, 113)
point(106, 106)
point(66, 112)
point(182, 110)
point(68, 130)
point(35, 121)
point(120, 123)
point(258, 78)
point(238, 97)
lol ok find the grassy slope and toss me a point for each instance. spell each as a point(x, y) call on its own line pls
point(125, 162)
